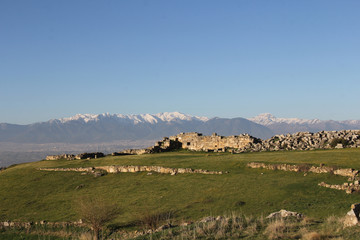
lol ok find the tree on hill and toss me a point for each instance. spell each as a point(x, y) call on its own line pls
point(96, 212)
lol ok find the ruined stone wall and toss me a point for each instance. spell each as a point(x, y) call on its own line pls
point(198, 142)
point(345, 172)
point(62, 156)
point(79, 156)
point(133, 169)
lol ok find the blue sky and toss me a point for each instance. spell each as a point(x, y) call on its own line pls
point(207, 58)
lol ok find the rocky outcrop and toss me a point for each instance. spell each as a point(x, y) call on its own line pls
point(352, 218)
point(310, 141)
point(345, 172)
point(284, 214)
point(133, 169)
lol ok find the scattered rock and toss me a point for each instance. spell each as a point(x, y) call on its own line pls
point(79, 187)
point(163, 227)
point(98, 174)
point(184, 224)
point(218, 218)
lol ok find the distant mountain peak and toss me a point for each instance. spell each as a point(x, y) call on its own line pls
point(267, 119)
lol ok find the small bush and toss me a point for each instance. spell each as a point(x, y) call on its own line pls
point(153, 220)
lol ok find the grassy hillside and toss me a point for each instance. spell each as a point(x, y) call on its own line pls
point(27, 194)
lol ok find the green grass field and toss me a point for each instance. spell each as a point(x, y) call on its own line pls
point(27, 194)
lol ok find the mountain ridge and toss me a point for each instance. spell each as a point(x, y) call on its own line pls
point(84, 128)
point(292, 125)
point(105, 127)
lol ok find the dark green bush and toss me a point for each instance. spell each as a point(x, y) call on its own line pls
point(336, 141)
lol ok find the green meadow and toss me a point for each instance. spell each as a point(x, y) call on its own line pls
point(28, 194)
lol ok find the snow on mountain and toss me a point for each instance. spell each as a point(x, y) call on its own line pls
point(351, 122)
point(267, 119)
point(135, 118)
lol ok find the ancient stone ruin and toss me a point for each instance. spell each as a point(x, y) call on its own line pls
point(348, 187)
point(216, 143)
point(246, 143)
point(133, 169)
point(73, 157)
point(26, 225)
point(237, 144)
point(62, 156)
point(89, 155)
point(310, 141)
point(345, 172)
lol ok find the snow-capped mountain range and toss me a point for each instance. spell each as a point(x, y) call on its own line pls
point(292, 125)
point(267, 119)
point(101, 128)
point(135, 118)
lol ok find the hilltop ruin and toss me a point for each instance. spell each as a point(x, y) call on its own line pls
point(245, 143)
point(241, 143)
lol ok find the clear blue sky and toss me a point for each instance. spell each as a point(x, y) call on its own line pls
point(208, 58)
